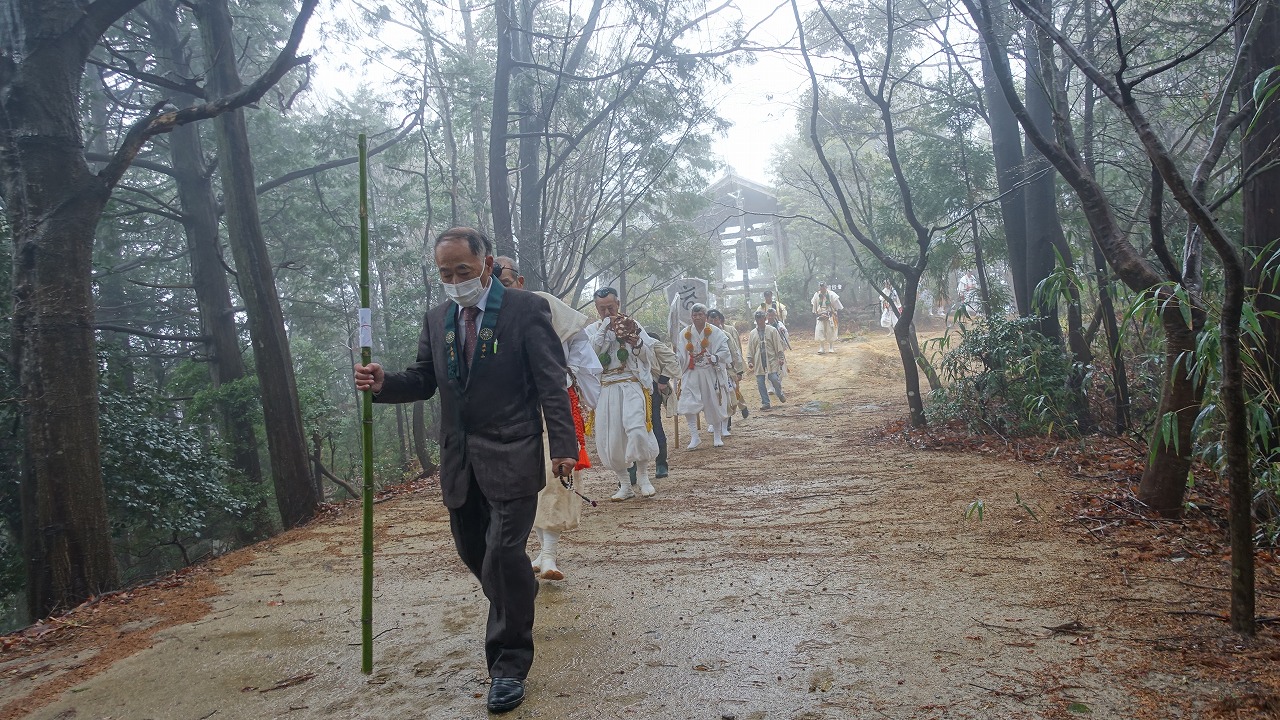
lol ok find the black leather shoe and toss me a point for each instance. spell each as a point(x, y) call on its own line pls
point(661, 471)
point(745, 413)
point(505, 694)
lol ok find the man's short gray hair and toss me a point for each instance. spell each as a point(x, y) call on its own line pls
point(477, 241)
point(508, 261)
point(698, 307)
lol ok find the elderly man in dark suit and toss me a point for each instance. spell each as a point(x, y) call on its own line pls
point(496, 360)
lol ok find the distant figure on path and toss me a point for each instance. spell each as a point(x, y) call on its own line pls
point(737, 366)
point(827, 307)
point(704, 358)
point(494, 356)
point(771, 304)
point(888, 316)
point(765, 355)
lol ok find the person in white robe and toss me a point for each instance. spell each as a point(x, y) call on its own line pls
point(737, 366)
point(766, 355)
point(775, 305)
point(559, 509)
point(888, 316)
point(704, 358)
point(623, 417)
point(826, 307)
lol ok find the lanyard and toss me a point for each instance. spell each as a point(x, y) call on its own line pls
point(485, 344)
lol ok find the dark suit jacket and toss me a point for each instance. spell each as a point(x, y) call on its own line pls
point(492, 418)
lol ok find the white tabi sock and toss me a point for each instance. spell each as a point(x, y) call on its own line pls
point(642, 480)
point(550, 541)
point(624, 487)
point(694, 438)
point(542, 550)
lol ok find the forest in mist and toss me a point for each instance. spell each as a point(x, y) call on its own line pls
point(181, 219)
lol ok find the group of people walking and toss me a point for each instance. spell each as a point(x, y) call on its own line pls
point(524, 377)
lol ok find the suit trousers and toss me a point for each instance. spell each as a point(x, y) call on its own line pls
point(490, 537)
point(658, 431)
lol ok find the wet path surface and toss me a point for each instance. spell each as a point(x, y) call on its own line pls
point(803, 571)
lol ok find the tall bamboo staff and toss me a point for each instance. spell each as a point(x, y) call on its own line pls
point(366, 411)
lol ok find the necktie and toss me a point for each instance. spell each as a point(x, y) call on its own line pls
point(469, 314)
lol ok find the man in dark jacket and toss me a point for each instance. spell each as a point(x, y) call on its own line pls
point(496, 360)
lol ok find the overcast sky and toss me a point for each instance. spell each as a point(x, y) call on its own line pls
point(761, 100)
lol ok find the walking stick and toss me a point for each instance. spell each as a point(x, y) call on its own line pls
point(366, 412)
point(677, 415)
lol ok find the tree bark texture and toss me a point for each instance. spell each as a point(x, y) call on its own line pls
point(1044, 228)
point(1006, 147)
point(499, 185)
point(208, 274)
point(533, 263)
point(904, 335)
point(53, 202)
point(1164, 480)
point(1261, 192)
point(295, 492)
point(478, 164)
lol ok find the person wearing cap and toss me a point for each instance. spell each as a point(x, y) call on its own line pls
point(766, 355)
point(737, 366)
point(559, 509)
point(703, 350)
point(775, 305)
point(623, 417)
point(826, 306)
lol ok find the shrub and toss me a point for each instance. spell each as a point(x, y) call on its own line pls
point(1002, 376)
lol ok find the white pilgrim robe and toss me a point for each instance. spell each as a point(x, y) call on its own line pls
point(825, 329)
point(704, 387)
point(622, 431)
point(558, 508)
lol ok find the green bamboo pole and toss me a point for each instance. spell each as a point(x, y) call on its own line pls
point(366, 411)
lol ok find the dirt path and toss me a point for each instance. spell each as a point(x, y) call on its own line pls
point(804, 571)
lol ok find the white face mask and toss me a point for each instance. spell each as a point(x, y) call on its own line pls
point(466, 293)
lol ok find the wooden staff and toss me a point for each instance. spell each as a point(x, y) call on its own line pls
point(366, 412)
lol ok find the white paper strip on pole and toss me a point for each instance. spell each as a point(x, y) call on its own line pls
point(366, 328)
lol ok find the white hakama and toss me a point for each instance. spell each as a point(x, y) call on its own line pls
point(623, 435)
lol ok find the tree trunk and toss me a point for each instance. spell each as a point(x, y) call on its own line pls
point(208, 274)
point(53, 203)
point(1261, 147)
point(1006, 146)
point(420, 439)
point(531, 123)
point(1164, 481)
point(480, 201)
point(286, 442)
point(1119, 373)
point(499, 186)
point(1044, 228)
point(902, 333)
